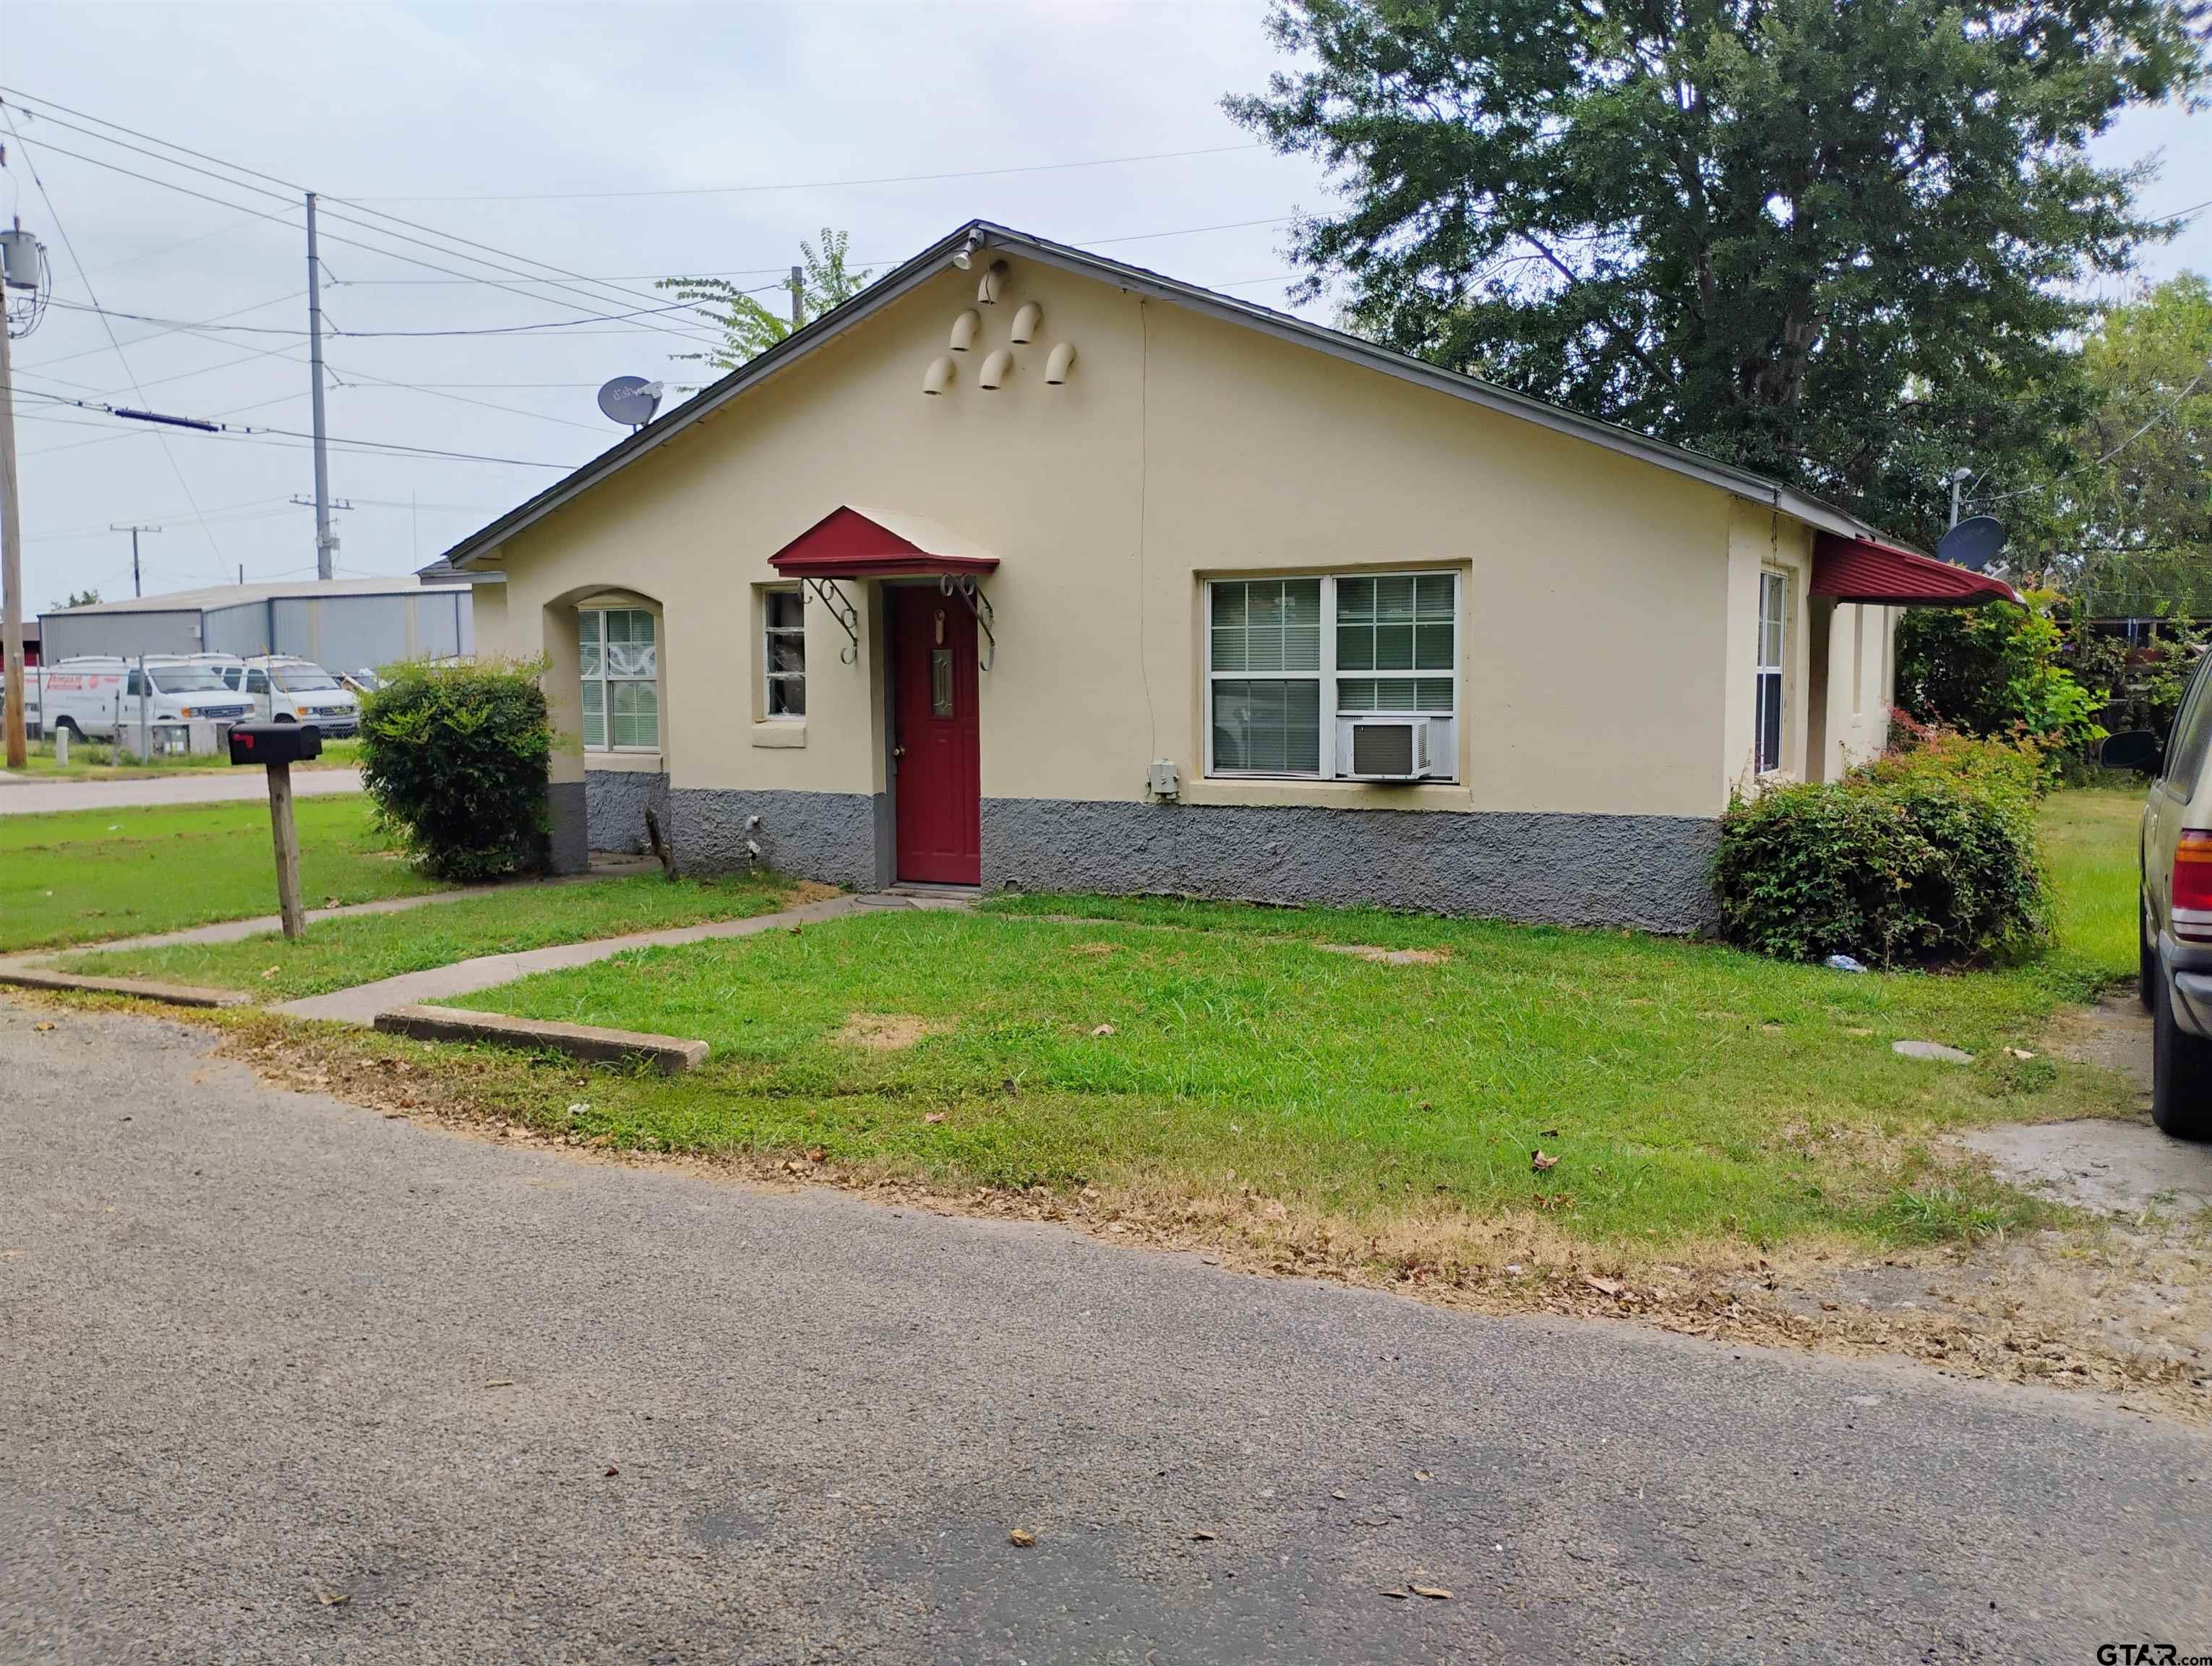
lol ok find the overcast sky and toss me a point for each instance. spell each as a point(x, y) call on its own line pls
point(496, 123)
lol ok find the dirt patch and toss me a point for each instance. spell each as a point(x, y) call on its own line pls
point(1383, 957)
point(2114, 1034)
point(2120, 1168)
point(887, 1032)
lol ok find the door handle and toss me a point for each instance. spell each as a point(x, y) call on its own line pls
point(898, 751)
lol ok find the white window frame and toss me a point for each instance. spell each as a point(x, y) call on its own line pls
point(606, 681)
point(1776, 580)
point(770, 676)
point(1333, 718)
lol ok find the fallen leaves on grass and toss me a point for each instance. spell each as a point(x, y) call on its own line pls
point(1103, 1029)
point(1021, 1538)
point(1541, 1160)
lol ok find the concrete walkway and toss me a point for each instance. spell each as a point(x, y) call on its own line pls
point(361, 1004)
point(27, 795)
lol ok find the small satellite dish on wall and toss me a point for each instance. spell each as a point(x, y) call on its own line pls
point(629, 400)
point(1973, 543)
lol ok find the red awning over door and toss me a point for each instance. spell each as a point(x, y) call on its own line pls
point(1862, 570)
point(872, 543)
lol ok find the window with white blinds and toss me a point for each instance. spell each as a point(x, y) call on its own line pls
point(1773, 640)
point(1288, 659)
point(620, 662)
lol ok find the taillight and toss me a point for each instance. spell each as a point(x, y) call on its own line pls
point(2192, 887)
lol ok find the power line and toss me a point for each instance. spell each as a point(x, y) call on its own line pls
point(293, 187)
point(298, 434)
point(388, 253)
point(815, 184)
point(886, 260)
point(169, 324)
point(62, 231)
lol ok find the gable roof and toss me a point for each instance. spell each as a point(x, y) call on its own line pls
point(988, 235)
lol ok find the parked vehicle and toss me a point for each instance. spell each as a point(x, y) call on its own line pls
point(289, 691)
point(2175, 931)
point(88, 694)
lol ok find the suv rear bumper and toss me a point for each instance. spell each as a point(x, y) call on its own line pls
point(2192, 1002)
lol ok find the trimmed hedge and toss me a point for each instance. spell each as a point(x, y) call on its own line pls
point(1916, 866)
point(457, 757)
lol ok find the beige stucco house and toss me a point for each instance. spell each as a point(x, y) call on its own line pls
point(1025, 568)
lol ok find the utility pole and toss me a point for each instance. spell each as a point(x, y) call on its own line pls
point(11, 562)
point(326, 545)
point(136, 589)
point(798, 297)
point(1959, 478)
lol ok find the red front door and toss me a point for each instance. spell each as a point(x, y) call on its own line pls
point(939, 802)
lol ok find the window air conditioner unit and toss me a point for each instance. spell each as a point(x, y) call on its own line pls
point(1388, 749)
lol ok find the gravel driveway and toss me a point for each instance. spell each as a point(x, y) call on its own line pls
point(284, 1380)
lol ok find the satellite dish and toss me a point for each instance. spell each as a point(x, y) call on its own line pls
point(1972, 543)
point(630, 400)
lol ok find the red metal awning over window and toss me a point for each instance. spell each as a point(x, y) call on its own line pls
point(850, 543)
point(1862, 570)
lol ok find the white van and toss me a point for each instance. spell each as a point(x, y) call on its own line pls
point(88, 693)
point(289, 691)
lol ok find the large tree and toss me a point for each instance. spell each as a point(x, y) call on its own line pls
point(1832, 239)
point(2125, 521)
point(749, 328)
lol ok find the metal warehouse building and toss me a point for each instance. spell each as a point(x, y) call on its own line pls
point(342, 625)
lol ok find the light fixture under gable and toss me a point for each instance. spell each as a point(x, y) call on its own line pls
point(964, 256)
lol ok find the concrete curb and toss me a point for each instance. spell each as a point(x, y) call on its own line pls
point(170, 995)
point(669, 1055)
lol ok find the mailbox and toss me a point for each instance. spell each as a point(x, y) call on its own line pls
point(275, 742)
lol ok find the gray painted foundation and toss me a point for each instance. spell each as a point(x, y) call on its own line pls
point(571, 847)
point(615, 802)
point(1648, 872)
point(829, 836)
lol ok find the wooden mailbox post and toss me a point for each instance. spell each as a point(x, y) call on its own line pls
point(278, 746)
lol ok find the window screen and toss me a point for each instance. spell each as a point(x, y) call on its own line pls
point(1285, 657)
point(785, 652)
point(1267, 724)
point(619, 662)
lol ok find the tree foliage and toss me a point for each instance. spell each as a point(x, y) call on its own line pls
point(749, 328)
point(2123, 519)
point(1996, 671)
point(1826, 238)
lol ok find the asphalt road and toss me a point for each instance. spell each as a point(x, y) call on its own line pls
point(259, 1350)
point(29, 796)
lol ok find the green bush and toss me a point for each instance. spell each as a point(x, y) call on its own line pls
point(456, 757)
point(1995, 670)
point(1921, 868)
point(1933, 751)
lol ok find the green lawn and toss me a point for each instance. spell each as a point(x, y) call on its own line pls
point(93, 761)
point(80, 875)
point(1688, 1091)
point(2090, 837)
point(337, 954)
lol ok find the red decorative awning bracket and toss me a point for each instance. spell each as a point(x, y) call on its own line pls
point(840, 609)
point(963, 584)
